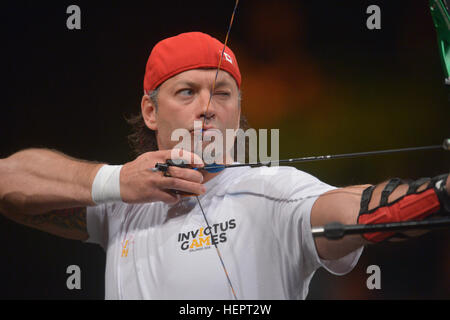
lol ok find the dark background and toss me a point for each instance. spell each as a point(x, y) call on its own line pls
point(310, 68)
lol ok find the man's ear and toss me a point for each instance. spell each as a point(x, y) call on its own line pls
point(148, 110)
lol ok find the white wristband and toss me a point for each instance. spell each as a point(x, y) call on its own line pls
point(106, 185)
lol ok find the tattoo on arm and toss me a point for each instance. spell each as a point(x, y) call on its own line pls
point(67, 223)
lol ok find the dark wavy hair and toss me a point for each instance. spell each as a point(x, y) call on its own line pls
point(142, 139)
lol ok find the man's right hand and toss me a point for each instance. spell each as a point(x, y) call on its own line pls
point(138, 184)
point(49, 191)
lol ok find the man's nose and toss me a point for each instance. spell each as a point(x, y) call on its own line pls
point(205, 107)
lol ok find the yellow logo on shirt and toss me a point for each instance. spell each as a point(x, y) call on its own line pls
point(125, 249)
point(203, 238)
point(125, 244)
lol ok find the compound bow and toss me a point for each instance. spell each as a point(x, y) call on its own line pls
point(441, 17)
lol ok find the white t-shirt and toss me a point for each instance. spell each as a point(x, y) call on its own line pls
point(259, 219)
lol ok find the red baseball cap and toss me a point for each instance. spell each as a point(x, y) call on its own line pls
point(187, 51)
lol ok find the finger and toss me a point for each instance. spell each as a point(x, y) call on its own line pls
point(169, 183)
point(186, 174)
point(167, 197)
point(188, 157)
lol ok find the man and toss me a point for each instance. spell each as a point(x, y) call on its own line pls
point(248, 233)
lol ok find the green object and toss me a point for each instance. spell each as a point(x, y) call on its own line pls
point(441, 18)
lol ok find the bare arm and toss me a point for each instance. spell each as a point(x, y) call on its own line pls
point(38, 185)
point(36, 181)
point(49, 191)
point(340, 205)
point(343, 205)
point(65, 223)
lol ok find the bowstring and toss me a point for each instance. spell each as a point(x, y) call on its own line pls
point(203, 127)
point(218, 251)
point(211, 94)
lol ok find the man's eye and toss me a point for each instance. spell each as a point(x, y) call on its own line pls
point(222, 93)
point(185, 92)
